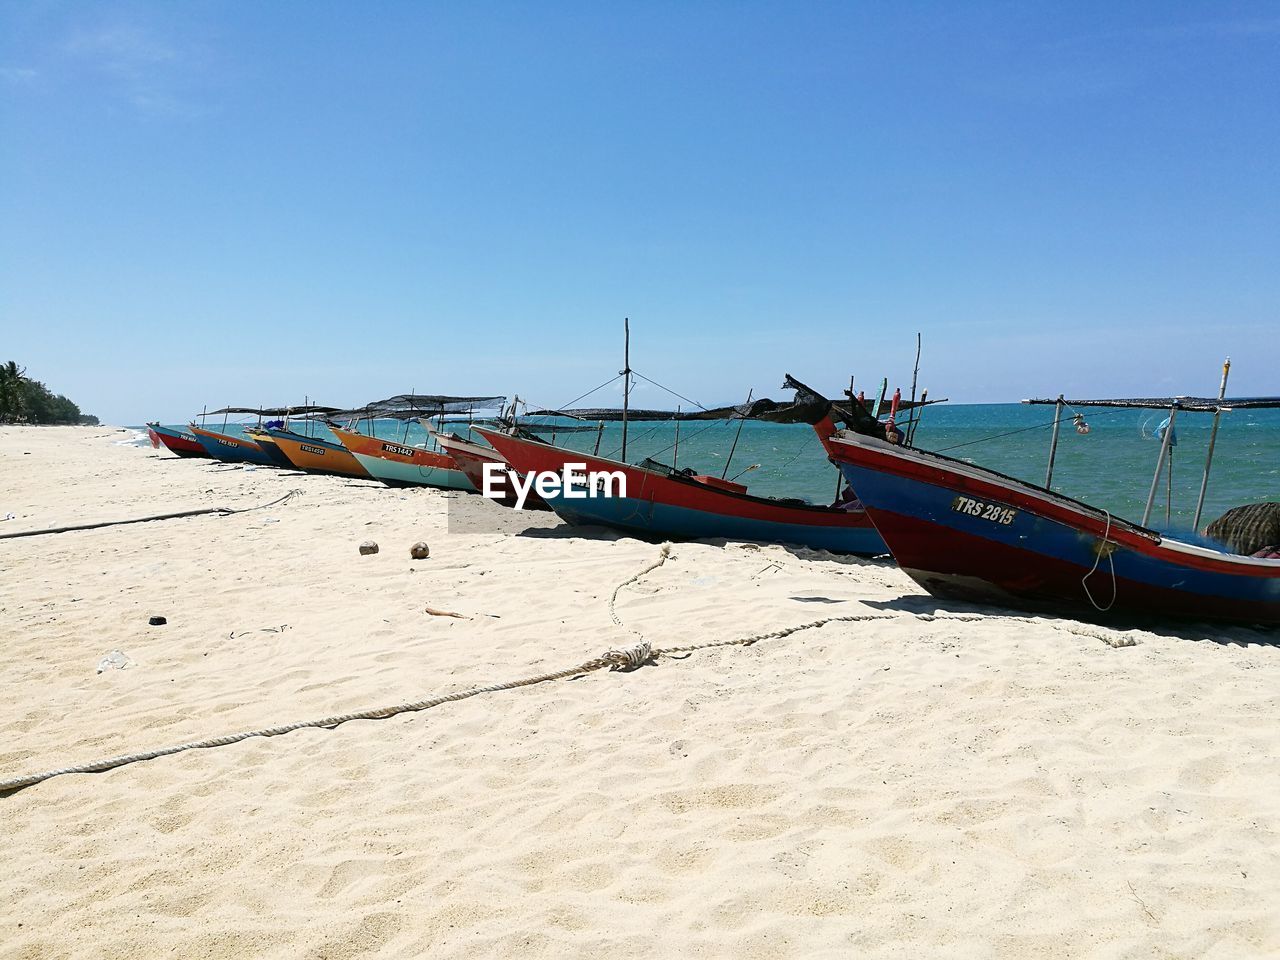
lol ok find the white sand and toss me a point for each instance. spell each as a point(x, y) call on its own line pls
point(896, 788)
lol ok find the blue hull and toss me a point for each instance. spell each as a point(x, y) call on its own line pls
point(1037, 557)
point(234, 453)
point(653, 519)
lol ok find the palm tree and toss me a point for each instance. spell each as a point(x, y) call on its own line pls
point(12, 380)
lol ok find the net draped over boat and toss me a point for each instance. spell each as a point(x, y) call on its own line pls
point(303, 410)
point(411, 406)
point(1196, 404)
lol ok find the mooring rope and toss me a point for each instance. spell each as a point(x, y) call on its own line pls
point(224, 511)
point(1104, 546)
point(622, 658)
point(663, 553)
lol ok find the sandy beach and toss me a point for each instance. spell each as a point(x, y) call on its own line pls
point(927, 781)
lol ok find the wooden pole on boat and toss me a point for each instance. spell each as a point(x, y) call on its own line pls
point(1164, 451)
point(915, 424)
point(1168, 494)
point(884, 388)
point(741, 422)
point(1213, 438)
point(626, 380)
point(675, 457)
point(839, 474)
point(911, 412)
point(599, 437)
point(1053, 444)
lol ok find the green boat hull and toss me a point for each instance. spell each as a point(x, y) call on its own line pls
point(410, 474)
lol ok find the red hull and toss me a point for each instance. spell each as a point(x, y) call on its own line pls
point(962, 531)
point(945, 562)
point(180, 445)
point(471, 459)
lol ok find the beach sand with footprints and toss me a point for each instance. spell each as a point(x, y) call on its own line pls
point(913, 780)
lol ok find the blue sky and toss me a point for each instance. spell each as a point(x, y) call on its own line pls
point(210, 203)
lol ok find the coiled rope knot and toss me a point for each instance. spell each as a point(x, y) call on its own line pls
point(628, 658)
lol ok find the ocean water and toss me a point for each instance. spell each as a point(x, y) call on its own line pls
point(1110, 467)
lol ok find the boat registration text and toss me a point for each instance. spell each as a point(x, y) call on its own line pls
point(985, 511)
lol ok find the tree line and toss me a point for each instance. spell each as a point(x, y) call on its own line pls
point(24, 400)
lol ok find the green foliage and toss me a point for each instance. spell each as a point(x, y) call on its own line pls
point(24, 400)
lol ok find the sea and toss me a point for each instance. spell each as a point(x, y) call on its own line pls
point(1110, 466)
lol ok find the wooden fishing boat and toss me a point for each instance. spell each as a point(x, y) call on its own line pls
point(175, 441)
point(664, 502)
point(398, 464)
point(270, 447)
point(229, 448)
point(971, 533)
point(317, 455)
point(471, 459)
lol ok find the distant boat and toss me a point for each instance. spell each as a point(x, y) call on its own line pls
point(223, 446)
point(398, 464)
point(183, 444)
point(967, 532)
point(317, 455)
point(471, 459)
point(661, 501)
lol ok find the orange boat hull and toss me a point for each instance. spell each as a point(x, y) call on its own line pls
point(325, 457)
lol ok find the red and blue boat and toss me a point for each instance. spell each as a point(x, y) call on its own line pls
point(664, 502)
point(176, 441)
point(230, 448)
point(962, 531)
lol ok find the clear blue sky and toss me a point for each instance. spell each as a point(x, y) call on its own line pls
point(209, 203)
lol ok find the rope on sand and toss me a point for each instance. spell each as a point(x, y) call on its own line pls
point(623, 658)
point(223, 511)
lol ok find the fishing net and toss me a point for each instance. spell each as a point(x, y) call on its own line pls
point(1248, 530)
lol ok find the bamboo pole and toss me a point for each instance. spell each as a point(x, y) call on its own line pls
point(740, 424)
point(911, 412)
point(626, 381)
point(1164, 450)
point(915, 424)
point(1053, 443)
point(1213, 438)
point(675, 457)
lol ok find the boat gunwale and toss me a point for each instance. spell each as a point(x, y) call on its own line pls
point(689, 481)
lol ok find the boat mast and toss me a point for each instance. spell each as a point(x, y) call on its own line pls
point(1213, 437)
point(626, 380)
point(1053, 444)
point(911, 412)
point(675, 457)
point(839, 473)
point(1164, 451)
point(741, 422)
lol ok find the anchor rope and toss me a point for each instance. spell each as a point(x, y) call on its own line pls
point(224, 511)
point(618, 659)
